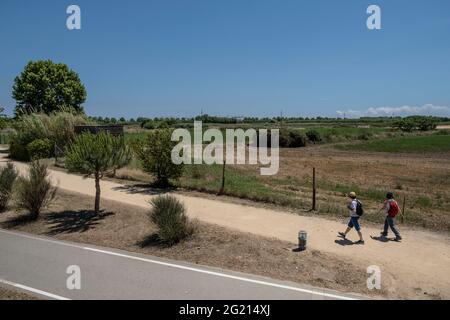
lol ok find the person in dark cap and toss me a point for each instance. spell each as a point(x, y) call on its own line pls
point(390, 209)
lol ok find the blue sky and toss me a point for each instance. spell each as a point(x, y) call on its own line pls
point(238, 57)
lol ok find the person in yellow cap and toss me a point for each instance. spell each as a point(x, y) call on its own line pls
point(356, 210)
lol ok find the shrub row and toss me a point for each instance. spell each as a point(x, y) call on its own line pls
point(36, 134)
point(32, 192)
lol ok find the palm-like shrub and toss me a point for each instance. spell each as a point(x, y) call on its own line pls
point(35, 191)
point(154, 152)
point(96, 155)
point(8, 175)
point(169, 215)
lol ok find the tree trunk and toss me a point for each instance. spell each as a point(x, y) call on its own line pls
point(97, 193)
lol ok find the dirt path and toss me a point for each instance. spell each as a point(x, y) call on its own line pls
point(418, 266)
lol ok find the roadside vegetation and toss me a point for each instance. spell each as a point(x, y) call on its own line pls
point(154, 153)
point(36, 134)
point(97, 155)
point(169, 215)
point(34, 192)
point(8, 175)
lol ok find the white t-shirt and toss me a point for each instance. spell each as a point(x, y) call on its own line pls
point(352, 208)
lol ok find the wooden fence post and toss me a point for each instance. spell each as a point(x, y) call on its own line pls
point(222, 188)
point(314, 190)
point(403, 209)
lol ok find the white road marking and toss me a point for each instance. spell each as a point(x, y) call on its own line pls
point(30, 289)
point(223, 275)
point(218, 274)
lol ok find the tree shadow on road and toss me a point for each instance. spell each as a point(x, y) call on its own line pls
point(73, 221)
point(146, 189)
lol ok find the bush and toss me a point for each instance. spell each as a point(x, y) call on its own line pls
point(285, 139)
point(17, 150)
point(163, 125)
point(313, 136)
point(365, 135)
point(169, 215)
point(40, 149)
point(415, 123)
point(405, 125)
point(426, 124)
point(155, 154)
point(8, 175)
point(57, 127)
point(149, 125)
point(297, 139)
point(35, 191)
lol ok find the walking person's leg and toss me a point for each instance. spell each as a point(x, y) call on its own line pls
point(358, 229)
point(349, 227)
point(386, 228)
point(394, 228)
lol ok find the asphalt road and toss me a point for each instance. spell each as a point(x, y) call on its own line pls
point(39, 265)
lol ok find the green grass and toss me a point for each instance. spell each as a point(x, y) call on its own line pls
point(239, 184)
point(418, 144)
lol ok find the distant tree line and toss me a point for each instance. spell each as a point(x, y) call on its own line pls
point(420, 122)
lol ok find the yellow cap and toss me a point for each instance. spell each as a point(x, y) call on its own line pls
point(352, 194)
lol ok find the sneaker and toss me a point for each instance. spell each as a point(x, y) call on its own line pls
point(342, 234)
point(359, 242)
point(383, 234)
point(398, 239)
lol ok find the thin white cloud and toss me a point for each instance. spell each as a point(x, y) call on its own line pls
point(425, 110)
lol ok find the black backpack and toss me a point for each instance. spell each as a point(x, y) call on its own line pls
point(359, 208)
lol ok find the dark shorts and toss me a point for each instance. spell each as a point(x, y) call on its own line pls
point(354, 223)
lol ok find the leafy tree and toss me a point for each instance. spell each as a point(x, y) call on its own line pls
point(46, 86)
point(154, 152)
point(97, 155)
